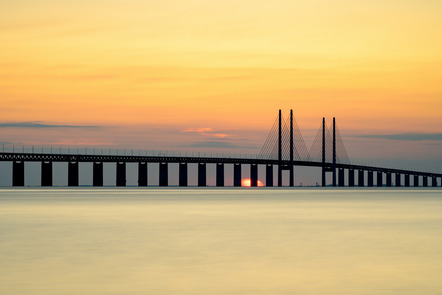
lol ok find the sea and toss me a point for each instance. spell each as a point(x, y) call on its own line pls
point(203, 241)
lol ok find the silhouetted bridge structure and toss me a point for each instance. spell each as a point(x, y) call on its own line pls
point(284, 148)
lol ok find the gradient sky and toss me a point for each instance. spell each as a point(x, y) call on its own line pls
point(211, 75)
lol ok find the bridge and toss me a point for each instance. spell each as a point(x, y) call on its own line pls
point(284, 149)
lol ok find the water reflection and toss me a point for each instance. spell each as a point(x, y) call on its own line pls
point(220, 241)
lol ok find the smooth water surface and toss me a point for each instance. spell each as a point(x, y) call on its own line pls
point(220, 241)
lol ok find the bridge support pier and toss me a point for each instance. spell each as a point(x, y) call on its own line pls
point(18, 173)
point(280, 151)
point(183, 179)
point(434, 183)
point(291, 166)
point(253, 175)
point(323, 176)
point(73, 174)
point(351, 177)
point(416, 180)
point(388, 179)
point(236, 174)
point(164, 174)
point(142, 174)
point(334, 152)
point(341, 177)
point(380, 179)
point(279, 175)
point(121, 174)
point(202, 174)
point(97, 174)
point(425, 181)
point(46, 173)
point(269, 175)
point(398, 179)
point(323, 154)
point(370, 178)
point(361, 179)
point(407, 180)
point(292, 176)
point(219, 174)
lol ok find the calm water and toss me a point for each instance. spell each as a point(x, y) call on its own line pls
point(208, 241)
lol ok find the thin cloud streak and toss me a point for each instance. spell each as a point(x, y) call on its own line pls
point(44, 125)
point(206, 131)
point(219, 144)
point(198, 130)
point(406, 136)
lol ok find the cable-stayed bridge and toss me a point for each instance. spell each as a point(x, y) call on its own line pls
point(284, 149)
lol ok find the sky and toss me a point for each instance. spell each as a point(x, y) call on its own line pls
point(210, 76)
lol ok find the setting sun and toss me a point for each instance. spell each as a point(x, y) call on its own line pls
point(248, 182)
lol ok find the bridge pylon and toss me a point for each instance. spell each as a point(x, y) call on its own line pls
point(281, 145)
point(283, 148)
point(286, 145)
point(327, 167)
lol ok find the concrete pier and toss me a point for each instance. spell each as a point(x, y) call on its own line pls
point(97, 179)
point(398, 180)
point(341, 177)
point(269, 175)
point(370, 178)
point(18, 173)
point(121, 174)
point(380, 179)
point(361, 180)
point(202, 181)
point(73, 174)
point(183, 174)
point(351, 177)
point(253, 175)
point(164, 174)
point(389, 183)
point(407, 180)
point(425, 181)
point(219, 174)
point(46, 173)
point(236, 174)
point(142, 174)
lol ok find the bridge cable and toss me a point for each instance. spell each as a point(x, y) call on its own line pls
point(266, 150)
point(316, 147)
point(299, 143)
point(341, 152)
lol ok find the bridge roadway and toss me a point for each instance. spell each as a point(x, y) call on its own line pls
point(46, 159)
point(43, 157)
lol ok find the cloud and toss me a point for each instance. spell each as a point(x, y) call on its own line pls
point(42, 125)
point(221, 135)
point(198, 130)
point(206, 131)
point(407, 136)
point(220, 144)
point(214, 144)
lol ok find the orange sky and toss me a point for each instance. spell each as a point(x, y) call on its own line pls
point(226, 65)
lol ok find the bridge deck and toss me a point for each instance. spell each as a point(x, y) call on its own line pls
point(43, 157)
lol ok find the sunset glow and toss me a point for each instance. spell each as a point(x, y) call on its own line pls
point(210, 76)
point(248, 182)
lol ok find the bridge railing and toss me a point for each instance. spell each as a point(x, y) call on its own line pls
point(41, 149)
point(118, 152)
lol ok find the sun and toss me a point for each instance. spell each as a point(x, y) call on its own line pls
point(248, 182)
